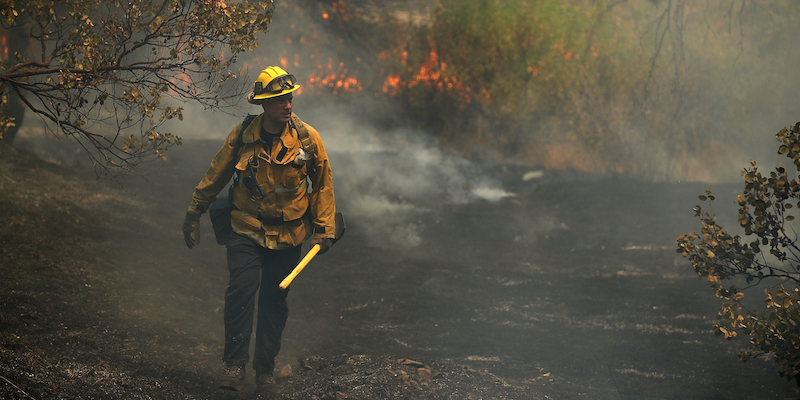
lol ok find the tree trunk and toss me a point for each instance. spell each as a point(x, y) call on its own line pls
point(12, 41)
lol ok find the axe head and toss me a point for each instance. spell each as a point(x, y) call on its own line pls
point(339, 227)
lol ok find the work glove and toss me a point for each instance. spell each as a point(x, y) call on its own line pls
point(191, 230)
point(324, 244)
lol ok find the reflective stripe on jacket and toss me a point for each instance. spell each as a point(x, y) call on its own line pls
point(287, 213)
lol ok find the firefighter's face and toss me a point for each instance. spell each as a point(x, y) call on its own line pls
point(278, 109)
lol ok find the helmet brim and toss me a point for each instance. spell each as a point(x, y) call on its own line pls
point(264, 96)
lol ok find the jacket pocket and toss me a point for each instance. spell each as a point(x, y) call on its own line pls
point(247, 154)
point(293, 177)
point(245, 221)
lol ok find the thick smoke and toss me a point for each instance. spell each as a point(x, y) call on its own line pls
point(393, 179)
point(389, 179)
point(386, 179)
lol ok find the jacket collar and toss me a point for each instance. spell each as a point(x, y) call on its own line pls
point(253, 132)
point(282, 153)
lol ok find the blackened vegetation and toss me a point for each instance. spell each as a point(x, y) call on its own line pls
point(383, 377)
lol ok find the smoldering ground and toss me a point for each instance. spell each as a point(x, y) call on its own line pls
point(561, 284)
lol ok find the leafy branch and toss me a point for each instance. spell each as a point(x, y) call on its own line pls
point(768, 253)
point(106, 83)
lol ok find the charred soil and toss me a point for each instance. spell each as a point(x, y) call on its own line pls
point(570, 288)
point(69, 330)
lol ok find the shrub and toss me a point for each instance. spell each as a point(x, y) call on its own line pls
point(768, 255)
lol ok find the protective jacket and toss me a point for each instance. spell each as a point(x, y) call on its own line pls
point(285, 211)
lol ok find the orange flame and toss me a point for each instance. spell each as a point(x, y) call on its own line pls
point(432, 73)
point(335, 78)
point(392, 85)
point(339, 7)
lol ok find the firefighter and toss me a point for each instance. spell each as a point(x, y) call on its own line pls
point(271, 158)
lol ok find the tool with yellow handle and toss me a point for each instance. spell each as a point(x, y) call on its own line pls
point(338, 232)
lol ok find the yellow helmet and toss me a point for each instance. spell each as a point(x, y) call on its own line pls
point(272, 82)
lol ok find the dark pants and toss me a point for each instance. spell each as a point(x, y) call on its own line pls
point(251, 266)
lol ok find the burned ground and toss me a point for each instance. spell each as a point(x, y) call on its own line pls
point(68, 330)
point(568, 289)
